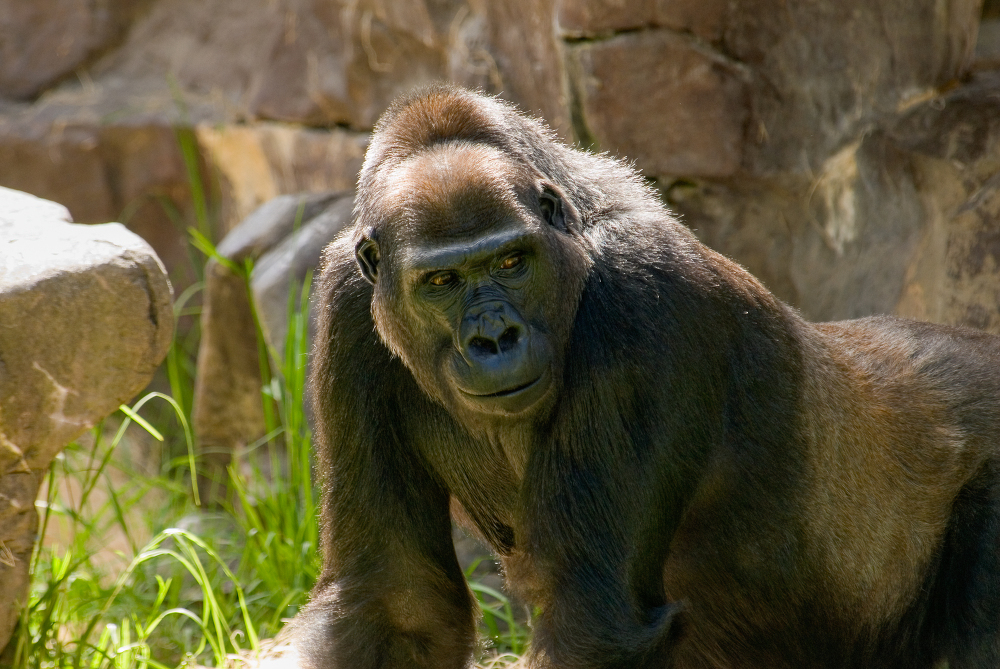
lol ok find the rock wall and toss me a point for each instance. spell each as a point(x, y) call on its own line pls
point(845, 151)
point(778, 129)
point(266, 96)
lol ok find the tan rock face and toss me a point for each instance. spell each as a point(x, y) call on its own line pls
point(529, 62)
point(904, 220)
point(66, 150)
point(663, 100)
point(823, 71)
point(44, 40)
point(257, 163)
point(106, 143)
point(130, 166)
point(335, 62)
point(583, 18)
point(767, 87)
point(85, 318)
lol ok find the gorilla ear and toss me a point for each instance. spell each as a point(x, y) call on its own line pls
point(554, 209)
point(367, 255)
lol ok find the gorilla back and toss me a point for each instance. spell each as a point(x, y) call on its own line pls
point(674, 468)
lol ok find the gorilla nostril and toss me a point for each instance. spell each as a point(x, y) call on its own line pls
point(509, 339)
point(481, 346)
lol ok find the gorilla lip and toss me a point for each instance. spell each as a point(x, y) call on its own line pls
point(511, 400)
point(509, 392)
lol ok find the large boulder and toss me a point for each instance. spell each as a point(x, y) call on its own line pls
point(85, 318)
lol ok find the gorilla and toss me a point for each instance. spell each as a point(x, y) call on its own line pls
point(673, 467)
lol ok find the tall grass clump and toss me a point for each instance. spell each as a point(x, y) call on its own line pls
point(160, 598)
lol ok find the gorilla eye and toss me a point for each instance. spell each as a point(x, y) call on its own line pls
point(510, 262)
point(442, 279)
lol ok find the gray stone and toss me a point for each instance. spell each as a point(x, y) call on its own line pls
point(268, 225)
point(85, 318)
point(278, 275)
point(284, 239)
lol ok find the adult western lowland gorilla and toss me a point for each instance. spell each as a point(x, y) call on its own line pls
point(674, 468)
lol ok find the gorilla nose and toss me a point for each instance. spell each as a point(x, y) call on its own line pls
point(492, 335)
point(482, 347)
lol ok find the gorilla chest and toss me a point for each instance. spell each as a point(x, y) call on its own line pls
point(484, 476)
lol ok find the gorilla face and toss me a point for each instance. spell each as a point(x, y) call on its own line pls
point(469, 274)
point(497, 360)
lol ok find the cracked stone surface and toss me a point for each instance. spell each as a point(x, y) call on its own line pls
point(85, 318)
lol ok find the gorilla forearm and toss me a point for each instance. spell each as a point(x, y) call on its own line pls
point(394, 629)
point(391, 593)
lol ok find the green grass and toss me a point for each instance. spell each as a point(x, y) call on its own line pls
point(135, 574)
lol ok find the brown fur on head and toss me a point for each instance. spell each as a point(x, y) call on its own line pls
point(442, 114)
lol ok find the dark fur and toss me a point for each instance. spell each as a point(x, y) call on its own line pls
point(711, 482)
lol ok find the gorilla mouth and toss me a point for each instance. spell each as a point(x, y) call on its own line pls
point(512, 400)
point(510, 391)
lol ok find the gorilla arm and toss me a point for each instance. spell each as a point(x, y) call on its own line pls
point(602, 602)
point(391, 593)
point(602, 496)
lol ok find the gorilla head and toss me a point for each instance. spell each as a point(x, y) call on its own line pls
point(474, 260)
